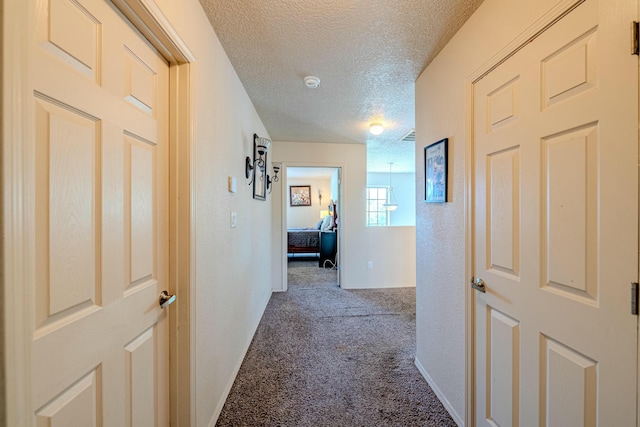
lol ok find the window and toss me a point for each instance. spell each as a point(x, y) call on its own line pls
point(377, 215)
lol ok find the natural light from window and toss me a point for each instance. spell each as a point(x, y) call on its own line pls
point(377, 215)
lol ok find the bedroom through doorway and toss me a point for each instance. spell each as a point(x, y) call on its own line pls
point(313, 218)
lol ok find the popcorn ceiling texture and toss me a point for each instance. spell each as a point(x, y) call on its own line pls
point(367, 54)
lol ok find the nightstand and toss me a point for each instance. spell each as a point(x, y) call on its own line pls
point(328, 247)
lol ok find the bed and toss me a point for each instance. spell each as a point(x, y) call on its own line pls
point(308, 240)
point(303, 241)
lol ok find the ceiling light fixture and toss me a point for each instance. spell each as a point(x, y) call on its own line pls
point(312, 82)
point(376, 128)
point(391, 205)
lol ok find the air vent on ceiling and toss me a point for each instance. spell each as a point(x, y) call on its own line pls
point(409, 137)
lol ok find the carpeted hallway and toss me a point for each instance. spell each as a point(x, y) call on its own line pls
point(323, 356)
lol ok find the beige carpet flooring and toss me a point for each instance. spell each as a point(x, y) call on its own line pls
point(324, 356)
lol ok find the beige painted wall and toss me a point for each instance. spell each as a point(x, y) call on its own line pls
point(392, 250)
point(440, 228)
point(231, 272)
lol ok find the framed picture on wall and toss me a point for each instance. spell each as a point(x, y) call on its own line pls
point(299, 195)
point(435, 172)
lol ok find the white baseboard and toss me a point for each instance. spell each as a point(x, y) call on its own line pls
point(227, 389)
point(368, 286)
point(456, 417)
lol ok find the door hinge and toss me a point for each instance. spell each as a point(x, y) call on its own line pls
point(634, 298)
point(635, 41)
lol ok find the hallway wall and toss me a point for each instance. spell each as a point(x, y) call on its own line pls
point(230, 273)
point(440, 228)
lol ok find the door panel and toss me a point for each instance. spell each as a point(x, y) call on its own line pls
point(141, 377)
point(570, 70)
point(568, 389)
point(556, 234)
point(68, 281)
point(100, 344)
point(76, 406)
point(141, 156)
point(569, 223)
point(72, 34)
point(503, 212)
point(504, 368)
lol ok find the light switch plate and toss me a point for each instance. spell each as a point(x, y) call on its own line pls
point(234, 219)
point(232, 184)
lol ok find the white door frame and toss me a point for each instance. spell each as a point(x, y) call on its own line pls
point(283, 216)
point(18, 245)
point(542, 24)
point(18, 239)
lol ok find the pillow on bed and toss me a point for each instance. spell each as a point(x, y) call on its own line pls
point(319, 224)
point(327, 223)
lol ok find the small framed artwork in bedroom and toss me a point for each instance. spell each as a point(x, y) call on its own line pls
point(300, 195)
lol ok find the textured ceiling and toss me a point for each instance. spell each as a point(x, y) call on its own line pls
point(367, 54)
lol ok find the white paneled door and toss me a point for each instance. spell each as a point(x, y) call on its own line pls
point(100, 339)
point(556, 225)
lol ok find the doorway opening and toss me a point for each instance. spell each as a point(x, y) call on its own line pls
point(312, 217)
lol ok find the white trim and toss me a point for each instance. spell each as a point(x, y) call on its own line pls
point(469, 214)
point(190, 129)
point(17, 209)
point(341, 214)
point(638, 334)
point(148, 18)
point(284, 252)
point(541, 25)
point(456, 417)
point(182, 335)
